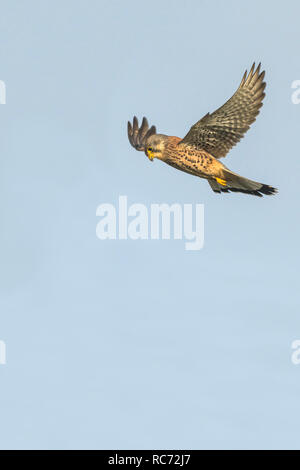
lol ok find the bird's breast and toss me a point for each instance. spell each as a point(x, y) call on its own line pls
point(189, 159)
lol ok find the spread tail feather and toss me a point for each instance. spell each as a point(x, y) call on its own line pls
point(232, 182)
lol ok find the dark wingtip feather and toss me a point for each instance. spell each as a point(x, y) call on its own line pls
point(138, 136)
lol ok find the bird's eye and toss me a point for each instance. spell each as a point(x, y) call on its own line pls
point(150, 149)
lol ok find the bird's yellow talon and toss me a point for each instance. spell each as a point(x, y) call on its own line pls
point(220, 181)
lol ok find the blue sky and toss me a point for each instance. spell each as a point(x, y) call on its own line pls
point(142, 344)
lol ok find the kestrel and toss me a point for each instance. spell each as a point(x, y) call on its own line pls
point(209, 139)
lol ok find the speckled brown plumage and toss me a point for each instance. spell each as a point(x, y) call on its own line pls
point(210, 139)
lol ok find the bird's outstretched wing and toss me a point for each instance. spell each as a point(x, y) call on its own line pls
point(138, 136)
point(218, 132)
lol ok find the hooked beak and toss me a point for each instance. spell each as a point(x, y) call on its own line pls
point(150, 155)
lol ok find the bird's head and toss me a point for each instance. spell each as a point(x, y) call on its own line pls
point(155, 146)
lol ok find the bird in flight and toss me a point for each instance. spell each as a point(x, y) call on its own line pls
point(209, 139)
